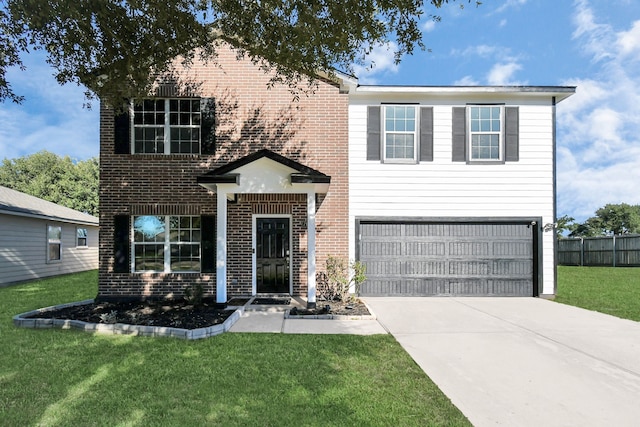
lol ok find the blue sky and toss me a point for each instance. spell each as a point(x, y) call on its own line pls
point(592, 44)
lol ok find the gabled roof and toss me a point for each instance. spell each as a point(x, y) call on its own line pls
point(14, 202)
point(224, 174)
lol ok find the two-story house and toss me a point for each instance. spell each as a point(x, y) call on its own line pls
point(236, 186)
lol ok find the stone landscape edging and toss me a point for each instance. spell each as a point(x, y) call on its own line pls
point(22, 321)
point(329, 316)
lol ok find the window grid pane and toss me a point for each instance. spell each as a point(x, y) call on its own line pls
point(485, 125)
point(185, 126)
point(176, 120)
point(400, 126)
point(166, 243)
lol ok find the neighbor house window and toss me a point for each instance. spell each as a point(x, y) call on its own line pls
point(54, 243)
point(81, 237)
point(166, 126)
point(485, 124)
point(166, 243)
point(400, 132)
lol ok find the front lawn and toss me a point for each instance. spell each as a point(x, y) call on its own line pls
point(63, 377)
point(609, 290)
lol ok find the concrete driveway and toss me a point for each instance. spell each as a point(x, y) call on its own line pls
point(522, 361)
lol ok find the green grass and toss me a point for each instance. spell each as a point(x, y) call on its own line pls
point(609, 290)
point(54, 377)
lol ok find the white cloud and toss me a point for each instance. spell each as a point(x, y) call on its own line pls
point(502, 74)
point(429, 26)
point(382, 61)
point(466, 81)
point(596, 38)
point(629, 41)
point(508, 4)
point(481, 50)
point(599, 127)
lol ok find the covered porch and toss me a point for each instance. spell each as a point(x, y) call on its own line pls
point(277, 198)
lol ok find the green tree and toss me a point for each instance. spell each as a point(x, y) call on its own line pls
point(617, 219)
point(116, 48)
point(54, 178)
point(565, 223)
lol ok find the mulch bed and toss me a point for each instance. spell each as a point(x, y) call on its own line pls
point(357, 308)
point(174, 314)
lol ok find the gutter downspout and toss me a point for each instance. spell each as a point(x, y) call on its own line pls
point(555, 196)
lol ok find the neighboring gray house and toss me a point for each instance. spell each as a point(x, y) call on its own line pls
point(39, 238)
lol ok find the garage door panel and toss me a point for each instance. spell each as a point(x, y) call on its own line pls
point(424, 259)
point(518, 268)
point(513, 249)
point(468, 248)
point(381, 248)
point(424, 248)
point(424, 268)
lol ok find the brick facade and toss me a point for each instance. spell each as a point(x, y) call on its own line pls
point(249, 116)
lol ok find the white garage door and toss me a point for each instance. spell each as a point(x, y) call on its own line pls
point(457, 259)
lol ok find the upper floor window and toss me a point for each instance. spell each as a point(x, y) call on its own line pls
point(166, 126)
point(54, 243)
point(400, 132)
point(485, 125)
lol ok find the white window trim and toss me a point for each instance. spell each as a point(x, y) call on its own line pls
point(86, 245)
point(167, 246)
point(53, 241)
point(501, 136)
point(415, 134)
point(167, 128)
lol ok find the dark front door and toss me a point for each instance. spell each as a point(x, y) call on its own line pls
point(272, 255)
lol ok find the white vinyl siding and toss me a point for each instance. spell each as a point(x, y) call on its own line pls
point(443, 188)
point(23, 252)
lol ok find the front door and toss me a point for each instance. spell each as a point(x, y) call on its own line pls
point(272, 255)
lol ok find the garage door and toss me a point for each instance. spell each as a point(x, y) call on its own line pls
point(461, 259)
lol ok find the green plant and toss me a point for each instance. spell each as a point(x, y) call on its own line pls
point(194, 294)
point(336, 281)
point(111, 317)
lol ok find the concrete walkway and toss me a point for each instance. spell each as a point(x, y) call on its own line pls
point(270, 319)
point(522, 361)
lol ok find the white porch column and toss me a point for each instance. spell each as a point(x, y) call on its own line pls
point(221, 248)
point(311, 249)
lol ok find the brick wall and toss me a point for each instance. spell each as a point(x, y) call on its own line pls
point(249, 117)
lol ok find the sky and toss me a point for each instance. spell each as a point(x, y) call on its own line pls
point(591, 44)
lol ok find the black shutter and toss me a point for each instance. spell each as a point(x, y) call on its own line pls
point(208, 243)
point(122, 131)
point(207, 126)
point(373, 133)
point(459, 136)
point(121, 251)
point(426, 134)
point(511, 143)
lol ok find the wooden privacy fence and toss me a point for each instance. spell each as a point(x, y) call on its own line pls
point(614, 251)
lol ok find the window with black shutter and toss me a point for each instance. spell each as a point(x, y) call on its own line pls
point(166, 126)
point(485, 134)
point(400, 133)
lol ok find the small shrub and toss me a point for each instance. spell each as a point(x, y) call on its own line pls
point(111, 317)
point(194, 294)
point(334, 284)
